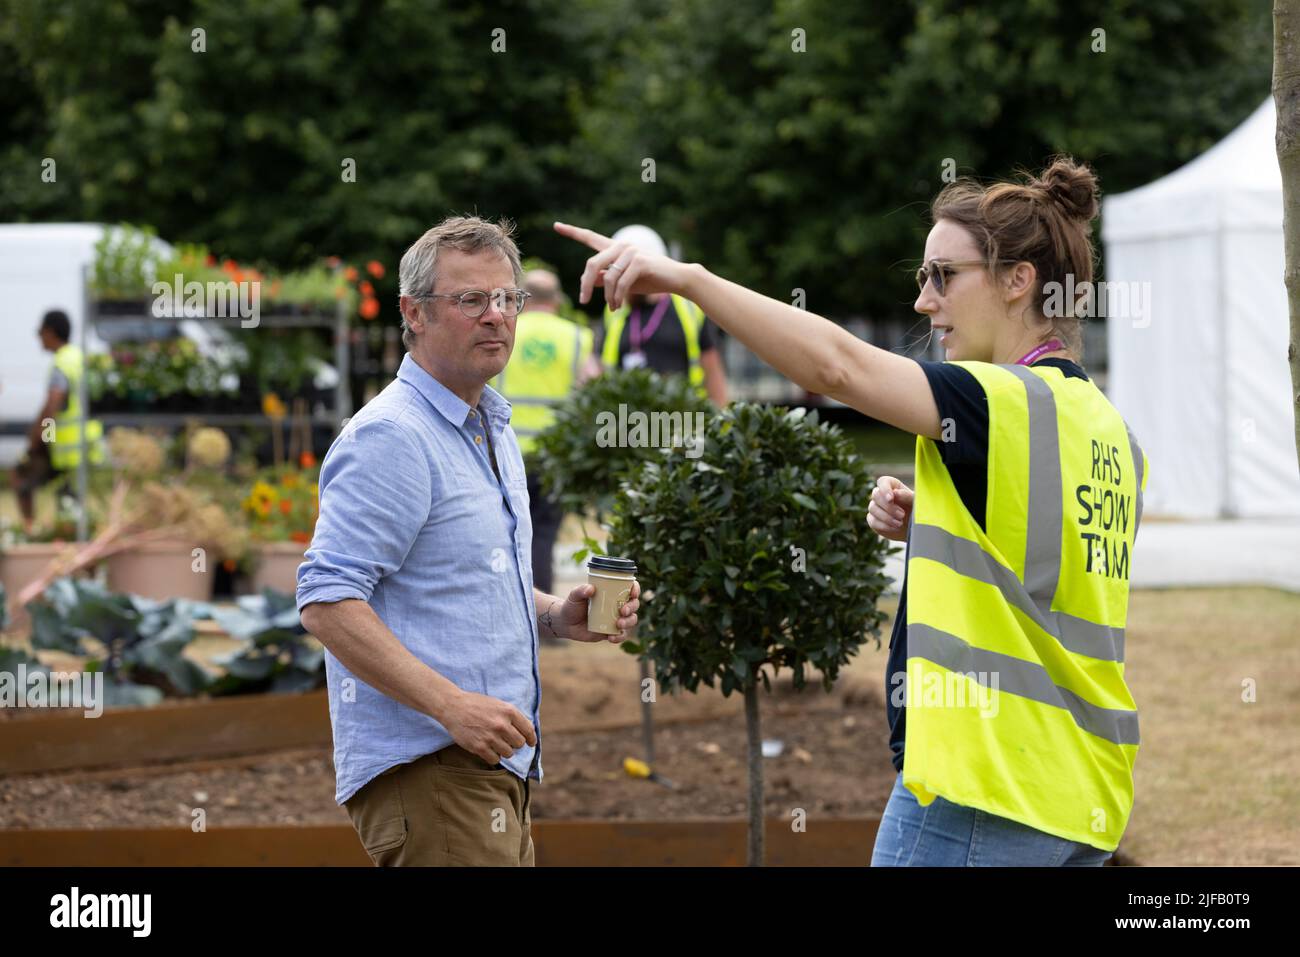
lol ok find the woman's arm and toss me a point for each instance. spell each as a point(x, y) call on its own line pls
point(819, 355)
point(811, 351)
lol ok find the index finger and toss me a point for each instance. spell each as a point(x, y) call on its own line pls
point(588, 237)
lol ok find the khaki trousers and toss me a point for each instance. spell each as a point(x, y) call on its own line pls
point(446, 809)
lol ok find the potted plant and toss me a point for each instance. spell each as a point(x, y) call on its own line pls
point(24, 556)
point(126, 263)
point(755, 556)
point(162, 533)
point(281, 509)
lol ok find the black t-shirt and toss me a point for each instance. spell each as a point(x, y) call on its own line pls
point(961, 398)
point(665, 349)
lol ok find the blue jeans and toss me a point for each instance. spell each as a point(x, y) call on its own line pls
point(950, 835)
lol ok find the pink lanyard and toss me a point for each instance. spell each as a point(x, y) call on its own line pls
point(655, 318)
point(1029, 357)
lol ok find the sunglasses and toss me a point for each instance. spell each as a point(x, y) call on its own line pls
point(941, 270)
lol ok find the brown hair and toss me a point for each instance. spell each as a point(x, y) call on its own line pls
point(418, 271)
point(1045, 220)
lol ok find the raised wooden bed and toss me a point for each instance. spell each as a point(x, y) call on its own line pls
point(240, 724)
point(197, 729)
point(835, 842)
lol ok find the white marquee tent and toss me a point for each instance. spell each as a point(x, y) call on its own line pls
point(1198, 360)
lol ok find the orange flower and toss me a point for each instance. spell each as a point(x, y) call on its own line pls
point(366, 288)
point(300, 537)
point(228, 564)
point(266, 509)
point(306, 460)
point(375, 268)
point(211, 260)
point(350, 274)
point(230, 266)
point(369, 308)
point(286, 506)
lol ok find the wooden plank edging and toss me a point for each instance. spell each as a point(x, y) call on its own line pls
point(239, 724)
point(829, 842)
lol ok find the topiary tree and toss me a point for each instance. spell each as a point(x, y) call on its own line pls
point(578, 463)
point(582, 467)
point(759, 557)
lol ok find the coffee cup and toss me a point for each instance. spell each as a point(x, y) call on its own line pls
point(613, 578)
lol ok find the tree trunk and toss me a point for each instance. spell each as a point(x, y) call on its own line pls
point(755, 776)
point(1286, 96)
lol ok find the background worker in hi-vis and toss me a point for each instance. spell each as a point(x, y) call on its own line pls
point(552, 356)
point(660, 331)
point(1007, 657)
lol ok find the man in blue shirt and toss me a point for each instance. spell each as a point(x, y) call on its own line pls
point(419, 583)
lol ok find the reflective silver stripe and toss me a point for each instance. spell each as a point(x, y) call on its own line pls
point(1022, 678)
point(1046, 509)
point(1137, 464)
point(967, 558)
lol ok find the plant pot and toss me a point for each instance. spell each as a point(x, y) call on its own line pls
point(161, 570)
point(277, 566)
point(20, 565)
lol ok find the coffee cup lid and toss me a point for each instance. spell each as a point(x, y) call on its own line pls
point(610, 564)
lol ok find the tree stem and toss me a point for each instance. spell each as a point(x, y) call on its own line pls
point(755, 857)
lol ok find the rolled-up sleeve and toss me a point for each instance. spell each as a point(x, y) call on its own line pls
point(375, 493)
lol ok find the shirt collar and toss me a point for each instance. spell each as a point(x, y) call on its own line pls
point(452, 407)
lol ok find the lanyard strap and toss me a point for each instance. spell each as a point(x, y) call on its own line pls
point(1046, 347)
point(655, 318)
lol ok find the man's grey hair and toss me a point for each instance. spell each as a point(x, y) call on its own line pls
point(418, 272)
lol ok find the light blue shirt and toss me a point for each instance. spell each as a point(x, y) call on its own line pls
point(414, 521)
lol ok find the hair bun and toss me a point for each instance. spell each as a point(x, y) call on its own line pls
point(1072, 187)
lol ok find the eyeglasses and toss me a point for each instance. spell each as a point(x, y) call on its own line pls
point(941, 269)
point(475, 302)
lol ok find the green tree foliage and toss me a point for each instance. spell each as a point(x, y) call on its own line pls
point(780, 169)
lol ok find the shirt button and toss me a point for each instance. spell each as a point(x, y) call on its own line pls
point(478, 439)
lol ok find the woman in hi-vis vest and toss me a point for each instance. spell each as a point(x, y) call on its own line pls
point(1012, 728)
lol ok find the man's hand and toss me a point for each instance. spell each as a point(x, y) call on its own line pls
point(487, 726)
point(622, 269)
point(570, 616)
point(890, 509)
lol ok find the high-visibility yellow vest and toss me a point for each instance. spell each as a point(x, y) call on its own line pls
point(688, 314)
point(1024, 619)
point(65, 453)
point(542, 370)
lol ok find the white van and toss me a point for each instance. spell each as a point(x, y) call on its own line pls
point(42, 267)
